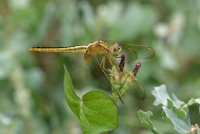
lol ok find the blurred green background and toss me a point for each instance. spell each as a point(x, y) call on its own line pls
point(31, 84)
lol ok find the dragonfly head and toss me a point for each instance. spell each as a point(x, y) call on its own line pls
point(116, 49)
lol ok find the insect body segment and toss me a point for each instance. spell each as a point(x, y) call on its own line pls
point(74, 49)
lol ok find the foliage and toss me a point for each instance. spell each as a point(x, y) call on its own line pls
point(96, 111)
point(174, 110)
point(31, 95)
point(145, 119)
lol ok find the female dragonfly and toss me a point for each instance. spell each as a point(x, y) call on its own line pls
point(102, 49)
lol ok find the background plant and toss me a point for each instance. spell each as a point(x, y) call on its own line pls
point(32, 98)
point(175, 112)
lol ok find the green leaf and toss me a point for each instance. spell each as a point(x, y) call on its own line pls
point(178, 103)
point(161, 95)
point(72, 99)
point(145, 119)
point(173, 108)
point(96, 110)
point(180, 125)
point(180, 112)
point(192, 102)
point(163, 98)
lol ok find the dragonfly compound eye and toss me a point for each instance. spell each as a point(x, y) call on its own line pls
point(116, 47)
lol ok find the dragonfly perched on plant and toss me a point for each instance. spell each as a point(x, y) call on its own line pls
point(102, 49)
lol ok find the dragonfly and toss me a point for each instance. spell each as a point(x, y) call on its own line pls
point(101, 48)
point(104, 50)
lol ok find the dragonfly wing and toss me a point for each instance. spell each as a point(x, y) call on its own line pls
point(133, 85)
point(139, 52)
point(137, 89)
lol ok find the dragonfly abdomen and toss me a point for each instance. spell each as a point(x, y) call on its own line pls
point(75, 49)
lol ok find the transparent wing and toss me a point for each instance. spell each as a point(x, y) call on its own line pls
point(135, 88)
point(138, 51)
point(138, 90)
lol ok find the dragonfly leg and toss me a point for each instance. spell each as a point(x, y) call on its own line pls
point(111, 60)
point(102, 66)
